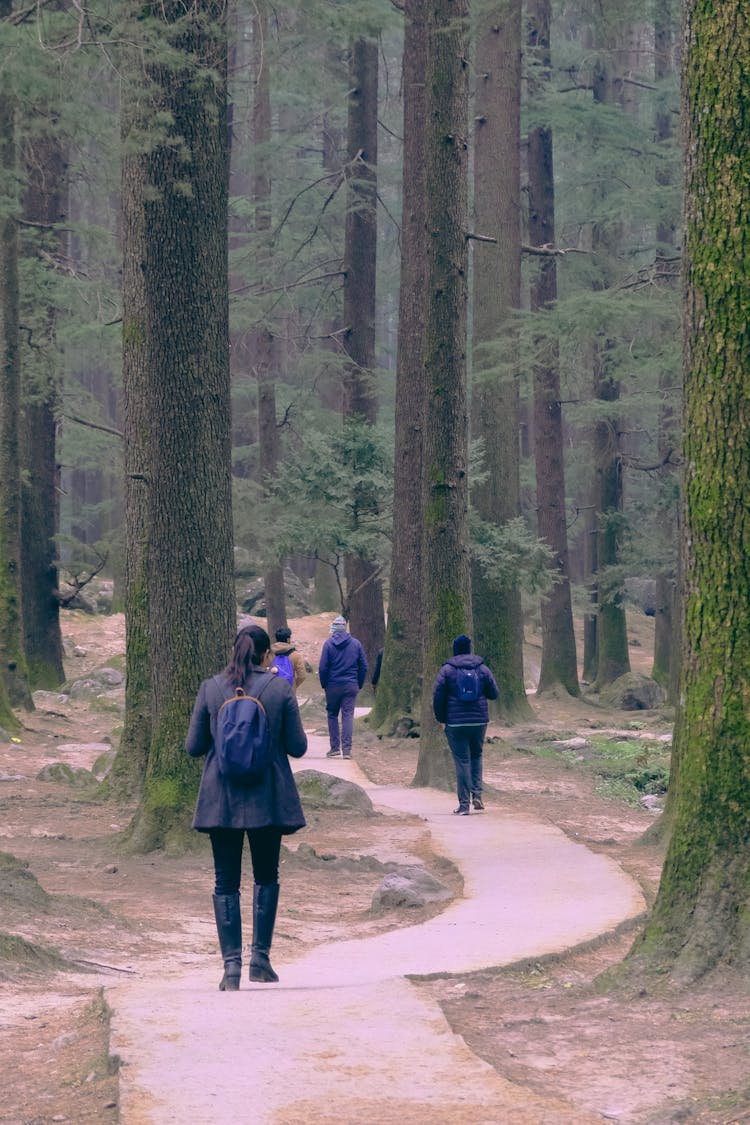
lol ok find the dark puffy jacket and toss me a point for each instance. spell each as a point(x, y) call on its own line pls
point(274, 801)
point(342, 661)
point(448, 708)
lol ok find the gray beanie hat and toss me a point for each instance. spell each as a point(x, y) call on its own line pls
point(338, 625)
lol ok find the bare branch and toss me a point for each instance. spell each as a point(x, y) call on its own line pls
point(94, 425)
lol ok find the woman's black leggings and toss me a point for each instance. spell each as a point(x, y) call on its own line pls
point(227, 843)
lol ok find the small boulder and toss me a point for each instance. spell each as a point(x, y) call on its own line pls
point(324, 791)
point(634, 692)
point(75, 776)
point(409, 887)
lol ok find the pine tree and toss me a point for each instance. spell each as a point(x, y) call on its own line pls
point(175, 333)
point(400, 686)
point(446, 578)
point(496, 299)
point(699, 919)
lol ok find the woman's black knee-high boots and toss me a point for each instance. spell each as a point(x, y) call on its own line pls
point(229, 929)
point(265, 901)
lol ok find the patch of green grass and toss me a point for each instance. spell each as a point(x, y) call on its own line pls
point(624, 770)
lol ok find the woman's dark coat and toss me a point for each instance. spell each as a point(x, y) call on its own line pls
point(274, 800)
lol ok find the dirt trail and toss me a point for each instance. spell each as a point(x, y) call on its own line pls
point(345, 1035)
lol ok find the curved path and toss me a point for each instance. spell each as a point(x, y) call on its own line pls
point(345, 1037)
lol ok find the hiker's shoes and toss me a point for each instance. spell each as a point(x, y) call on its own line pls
point(478, 803)
point(333, 754)
point(462, 810)
point(347, 754)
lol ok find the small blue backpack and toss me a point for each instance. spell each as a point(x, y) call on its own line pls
point(243, 740)
point(468, 685)
point(284, 667)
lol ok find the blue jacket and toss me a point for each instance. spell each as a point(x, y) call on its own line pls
point(342, 662)
point(452, 711)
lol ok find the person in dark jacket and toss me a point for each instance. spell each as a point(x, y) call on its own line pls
point(459, 700)
point(265, 811)
point(342, 671)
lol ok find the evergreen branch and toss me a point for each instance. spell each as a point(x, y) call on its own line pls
point(295, 199)
point(290, 284)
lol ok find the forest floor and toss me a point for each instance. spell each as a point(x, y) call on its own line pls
point(91, 916)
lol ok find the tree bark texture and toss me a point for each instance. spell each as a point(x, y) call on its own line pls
point(13, 672)
point(400, 686)
point(364, 588)
point(700, 918)
point(262, 350)
point(666, 621)
point(558, 666)
point(612, 656)
point(496, 298)
point(175, 329)
point(446, 605)
point(46, 187)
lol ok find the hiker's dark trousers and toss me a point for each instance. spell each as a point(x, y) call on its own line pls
point(227, 844)
point(466, 747)
point(340, 698)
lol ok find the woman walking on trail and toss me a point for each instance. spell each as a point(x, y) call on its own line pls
point(342, 671)
point(264, 811)
point(462, 688)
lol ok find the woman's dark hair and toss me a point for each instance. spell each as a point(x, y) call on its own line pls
point(283, 634)
point(250, 646)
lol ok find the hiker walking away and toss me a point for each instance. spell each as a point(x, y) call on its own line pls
point(342, 671)
point(287, 661)
point(459, 699)
point(264, 810)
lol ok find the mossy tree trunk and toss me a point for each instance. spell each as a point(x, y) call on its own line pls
point(700, 919)
point(400, 686)
point(498, 619)
point(45, 170)
point(363, 585)
point(175, 317)
point(558, 666)
point(446, 584)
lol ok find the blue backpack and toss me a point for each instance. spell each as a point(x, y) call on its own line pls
point(243, 740)
point(468, 685)
point(284, 667)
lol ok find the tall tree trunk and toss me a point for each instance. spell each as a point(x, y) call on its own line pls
point(46, 187)
point(175, 312)
point(613, 659)
point(400, 685)
point(446, 585)
point(364, 588)
point(666, 620)
point(262, 349)
point(558, 665)
point(13, 672)
point(496, 297)
point(700, 918)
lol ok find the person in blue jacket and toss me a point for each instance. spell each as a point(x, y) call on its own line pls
point(459, 700)
point(342, 671)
